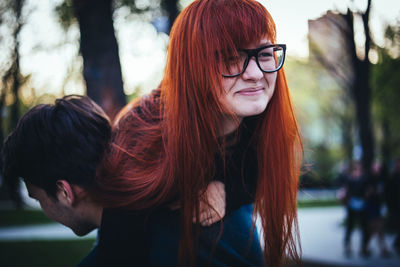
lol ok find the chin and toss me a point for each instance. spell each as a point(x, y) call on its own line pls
point(253, 111)
point(82, 231)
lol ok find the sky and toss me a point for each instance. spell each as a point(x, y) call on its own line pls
point(49, 53)
point(291, 18)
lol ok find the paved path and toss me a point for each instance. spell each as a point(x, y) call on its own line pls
point(320, 229)
point(322, 240)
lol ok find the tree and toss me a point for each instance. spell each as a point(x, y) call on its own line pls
point(99, 49)
point(361, 89)
point(358, 83)
point(12, 79)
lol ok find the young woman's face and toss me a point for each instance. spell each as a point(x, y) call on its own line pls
point(249, 93)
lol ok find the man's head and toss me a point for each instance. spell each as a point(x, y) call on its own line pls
point(56, 149)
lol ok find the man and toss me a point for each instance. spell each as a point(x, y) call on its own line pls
point(56, 149)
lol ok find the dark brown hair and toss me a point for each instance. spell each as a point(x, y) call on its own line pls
point(61, 141)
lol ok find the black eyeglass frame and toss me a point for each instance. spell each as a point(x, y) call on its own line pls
point(254, 53)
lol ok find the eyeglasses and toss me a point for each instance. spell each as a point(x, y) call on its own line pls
point(269, 59)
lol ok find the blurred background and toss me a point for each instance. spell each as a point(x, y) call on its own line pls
point(343, 70)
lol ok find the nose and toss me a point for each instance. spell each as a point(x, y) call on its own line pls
point(252, 71)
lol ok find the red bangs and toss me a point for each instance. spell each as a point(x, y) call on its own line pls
point(233, 24)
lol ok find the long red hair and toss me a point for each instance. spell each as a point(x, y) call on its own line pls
point(164, 144)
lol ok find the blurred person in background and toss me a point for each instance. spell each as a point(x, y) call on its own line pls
point(374, 194)
point(354, 199)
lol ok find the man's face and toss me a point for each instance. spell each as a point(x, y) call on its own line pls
point(61, 211)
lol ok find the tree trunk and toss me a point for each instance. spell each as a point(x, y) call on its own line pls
point(347, 137)
point(362, 97)
point(99, 49)
point(361, 90)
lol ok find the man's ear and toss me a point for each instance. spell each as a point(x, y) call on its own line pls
point(65, 193)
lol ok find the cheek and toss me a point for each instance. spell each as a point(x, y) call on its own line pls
point(48, 209)
point(225, 97)
point(270, 79)
point(228, 84)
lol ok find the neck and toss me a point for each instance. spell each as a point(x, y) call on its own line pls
point(229, 125)
point(86, 208)
point(94, 213)
point(89, 211)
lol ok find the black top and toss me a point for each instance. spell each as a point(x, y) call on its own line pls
point(240, 172)
point(151, 238)
point(129, 238)
point(122, 236)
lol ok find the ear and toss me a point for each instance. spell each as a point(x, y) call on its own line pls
point(65, 193)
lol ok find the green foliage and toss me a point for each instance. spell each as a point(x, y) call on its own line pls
point(392, 36)
point(8, 125)
point(65, 12)
point(386, 93)
point(61, 253)
point(318, 203)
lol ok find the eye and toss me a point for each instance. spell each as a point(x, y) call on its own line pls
point(265, 54)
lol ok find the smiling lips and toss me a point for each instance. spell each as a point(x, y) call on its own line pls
point(251, 91)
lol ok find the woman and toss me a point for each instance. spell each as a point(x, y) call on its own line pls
point(222, 112)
